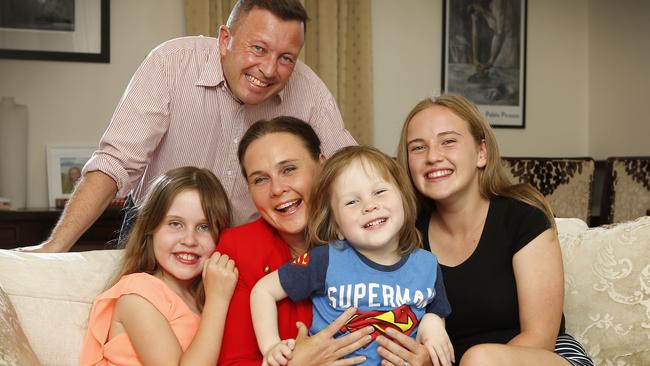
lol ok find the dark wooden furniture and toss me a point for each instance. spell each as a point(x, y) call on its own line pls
point(32, 226)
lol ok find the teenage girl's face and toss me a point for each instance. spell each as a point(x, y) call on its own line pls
point(182, 242)
point(280, 174)
point(444, 159)
point(368, 211)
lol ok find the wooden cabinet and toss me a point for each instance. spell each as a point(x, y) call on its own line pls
point(32, 226)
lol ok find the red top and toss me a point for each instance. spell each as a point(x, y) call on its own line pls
point(257, 250)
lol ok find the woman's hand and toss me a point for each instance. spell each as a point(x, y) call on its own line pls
point(219, 277)
point(323, 349)
point(402, 350)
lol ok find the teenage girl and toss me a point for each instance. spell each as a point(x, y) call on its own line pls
point(495, 241)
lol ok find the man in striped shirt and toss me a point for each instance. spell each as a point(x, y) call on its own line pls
point(189, 103)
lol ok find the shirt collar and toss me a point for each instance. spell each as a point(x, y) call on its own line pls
point(212, 73)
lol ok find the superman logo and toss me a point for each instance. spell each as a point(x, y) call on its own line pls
point(401, 319)
point(302, 260)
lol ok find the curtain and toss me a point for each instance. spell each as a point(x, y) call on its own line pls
point(337, 47)
point(203, 17)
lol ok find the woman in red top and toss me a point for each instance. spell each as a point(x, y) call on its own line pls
point(280, 159)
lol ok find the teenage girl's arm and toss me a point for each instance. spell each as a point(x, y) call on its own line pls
point(153, 338)
point(540, 290)
point(265, 294)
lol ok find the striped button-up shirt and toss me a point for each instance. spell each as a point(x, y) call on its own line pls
point(177, 110)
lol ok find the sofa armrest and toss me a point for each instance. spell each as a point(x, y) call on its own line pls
point(15, 349)
point(52, 295)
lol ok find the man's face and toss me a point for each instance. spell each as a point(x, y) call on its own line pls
point(259, 54)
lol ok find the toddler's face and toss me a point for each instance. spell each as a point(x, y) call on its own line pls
point(368, 210)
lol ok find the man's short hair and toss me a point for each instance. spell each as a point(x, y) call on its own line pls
point(283, 9)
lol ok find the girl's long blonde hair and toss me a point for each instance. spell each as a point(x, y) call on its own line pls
point(322, 227)
point(139, 253)
point(492, 178)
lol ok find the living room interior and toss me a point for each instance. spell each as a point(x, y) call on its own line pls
point(586, 87)
point(585, 78)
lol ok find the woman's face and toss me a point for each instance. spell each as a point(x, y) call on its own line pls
point(442, 154)
point(280, 174)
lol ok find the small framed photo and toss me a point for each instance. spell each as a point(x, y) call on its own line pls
point(58, 30)
point(484, 57)
point(64, 166)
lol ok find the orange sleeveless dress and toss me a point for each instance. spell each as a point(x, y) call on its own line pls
point(98, 349)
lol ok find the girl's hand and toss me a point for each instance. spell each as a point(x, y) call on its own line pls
point(432, 334)
point(280, 354)
point(219, 277)
point(401, 349)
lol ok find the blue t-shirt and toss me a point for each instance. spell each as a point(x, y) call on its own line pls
point(337, 277)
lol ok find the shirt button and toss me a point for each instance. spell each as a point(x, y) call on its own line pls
point(229, 172)
point(236, 140)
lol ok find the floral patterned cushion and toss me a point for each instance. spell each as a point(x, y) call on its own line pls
point(628, 189)
point(565, 182)
point(607, 291)
point(14, 347)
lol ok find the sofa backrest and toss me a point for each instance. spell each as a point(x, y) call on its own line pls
point(567, 183)
point(627, 189)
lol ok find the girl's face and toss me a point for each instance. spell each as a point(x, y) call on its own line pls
point(281, 173)
point(368, 211)
point(182, 242)
point(443, 156)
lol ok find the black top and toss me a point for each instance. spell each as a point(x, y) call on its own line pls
point(482, 290)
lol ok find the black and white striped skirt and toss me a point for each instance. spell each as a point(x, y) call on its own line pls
point(571, 350)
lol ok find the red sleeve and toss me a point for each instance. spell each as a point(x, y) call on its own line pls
point(239, 346)
point(256, 251)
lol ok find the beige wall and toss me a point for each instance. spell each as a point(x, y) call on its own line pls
point(70, 103)
point(586, 86)
point(407, 50)
point(619, 78)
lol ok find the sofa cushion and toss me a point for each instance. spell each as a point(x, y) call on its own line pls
point(15, 348)
point(607, 287)
point(52, 295)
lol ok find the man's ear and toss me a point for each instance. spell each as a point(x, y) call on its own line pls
point(225, 36)
point(321, 158)
point(482, 155)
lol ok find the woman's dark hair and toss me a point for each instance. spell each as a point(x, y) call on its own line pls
point(282, 124)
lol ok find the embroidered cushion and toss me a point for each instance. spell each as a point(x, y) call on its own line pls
point(607, 290)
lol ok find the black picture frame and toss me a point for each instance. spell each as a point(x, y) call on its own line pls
point(11, 46)
point(484, 57)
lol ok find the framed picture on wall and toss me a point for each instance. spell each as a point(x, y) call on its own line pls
point(484, 57)
point(58, 30)
point(64, 166)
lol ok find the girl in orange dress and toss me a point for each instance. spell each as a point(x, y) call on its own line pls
point(169, 302)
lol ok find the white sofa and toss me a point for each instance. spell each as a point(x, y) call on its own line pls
point(607, 302)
